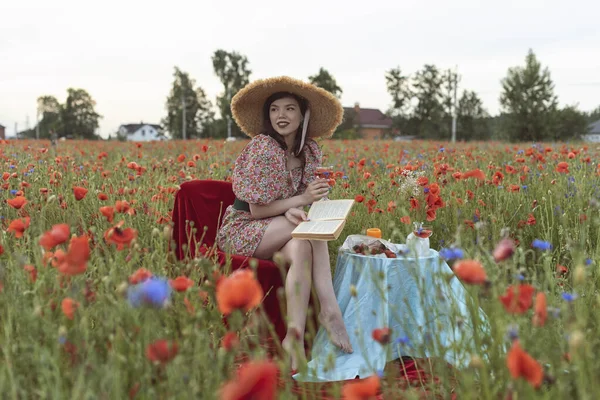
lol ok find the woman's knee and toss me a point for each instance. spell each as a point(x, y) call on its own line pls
point(298, 249)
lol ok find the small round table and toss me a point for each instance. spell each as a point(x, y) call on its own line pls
point(428, 310)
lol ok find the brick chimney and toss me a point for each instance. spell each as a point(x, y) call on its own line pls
point(356, 114)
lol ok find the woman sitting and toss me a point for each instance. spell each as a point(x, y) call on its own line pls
point(273, 180)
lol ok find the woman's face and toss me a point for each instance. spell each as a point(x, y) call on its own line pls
point(285, 116)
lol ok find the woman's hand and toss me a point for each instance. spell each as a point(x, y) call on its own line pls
point(316, 190)
point(295, 215)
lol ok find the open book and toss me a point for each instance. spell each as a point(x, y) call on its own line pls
point(327, 220)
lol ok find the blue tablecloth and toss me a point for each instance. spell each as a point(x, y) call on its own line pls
point(426, 308)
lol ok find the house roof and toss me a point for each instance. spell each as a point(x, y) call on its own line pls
point(370, 117)
point(595, 127)
point(2, 126)
point(132, 128)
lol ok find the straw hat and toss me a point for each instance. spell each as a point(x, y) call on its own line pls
point(324, 108)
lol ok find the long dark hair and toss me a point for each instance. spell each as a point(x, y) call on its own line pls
point(270, 131)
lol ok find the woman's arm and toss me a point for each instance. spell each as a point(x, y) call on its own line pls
point(277, 207)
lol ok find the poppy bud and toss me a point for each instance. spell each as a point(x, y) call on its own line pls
point(579, 275)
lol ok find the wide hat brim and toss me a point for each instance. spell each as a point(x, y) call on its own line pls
point(326, 111)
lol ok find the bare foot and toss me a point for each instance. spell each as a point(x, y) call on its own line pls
point(334, 324)
point(294, 346)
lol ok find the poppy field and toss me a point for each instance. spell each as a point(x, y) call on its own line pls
point(94, 304)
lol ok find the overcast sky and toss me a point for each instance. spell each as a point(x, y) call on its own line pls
point(123, 52)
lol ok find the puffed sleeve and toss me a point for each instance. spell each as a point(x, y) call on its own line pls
point(257, 174)
point(314, 157)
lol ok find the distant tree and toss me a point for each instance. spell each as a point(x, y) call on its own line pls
point(429, 110)
point(78, 115)
point(472, 118)
point(232, 70)
point(50, 112)
point(325, 80)
point(593, 115)
point(569, 123)
point(198, 113)
point(528, 100)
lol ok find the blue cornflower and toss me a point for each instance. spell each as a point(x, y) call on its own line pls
point(62, 339)
point(453, 253)
point(12, 167)
point(569, 297)
point(13, 192)
point(588, 261)
point(524, 187)
point(542, 245)
point(403, 340)
point(154, 292)
point(425, 190)
point(513, 332)
point(520, 277)
point(442, 149)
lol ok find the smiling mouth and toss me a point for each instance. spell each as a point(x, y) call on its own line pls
point(282, 124)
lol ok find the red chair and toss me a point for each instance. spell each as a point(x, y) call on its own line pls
point(204, 202)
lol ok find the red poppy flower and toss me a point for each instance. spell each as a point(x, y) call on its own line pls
point(364, 389)
point(254, 380)
point(79, 192)
point(161, 351)
point(17, 202)
point(181, 283)
point(518, 299)
point(382, 335)
point(522, 365)
point(68, 306)
point(470, 271)
point(240, 290)
point(58, 234)
point(540, 310)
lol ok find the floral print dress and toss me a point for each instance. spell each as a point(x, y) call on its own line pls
point(260, 176)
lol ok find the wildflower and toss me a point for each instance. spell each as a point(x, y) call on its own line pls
point(240, 290)
point(403, 340)
point(18, 226)
point(452, 253)
point(79, 192)
point(74, 262)
point(569, 297)
point(230, 340)
point(540, 310)
point(470, 271)
point(181, 283)
point(541, 245)
point(17, 203)
point(362, 389)
point(58, 234)
point(513, 332)
point(120, 237)
point(518, 303)
point(140, 275)
point(254, 380)
point(161, 351)
point(68, 306)
point(522, 365)
point(154, 292)
point(381, 335)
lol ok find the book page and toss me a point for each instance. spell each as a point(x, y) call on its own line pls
point(330, 209)
point(323, 227)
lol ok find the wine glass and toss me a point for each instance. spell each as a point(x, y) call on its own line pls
point(422, 231)
point(325, 173)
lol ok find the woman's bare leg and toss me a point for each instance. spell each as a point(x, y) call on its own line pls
point(330, 315)
point(297, 293)
point(298, 253)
